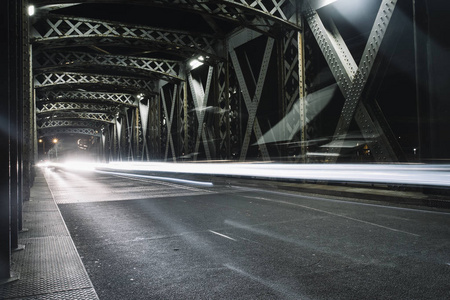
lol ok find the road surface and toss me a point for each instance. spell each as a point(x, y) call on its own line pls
point(144, 238)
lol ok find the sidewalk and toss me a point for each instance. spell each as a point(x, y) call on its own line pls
point(49, 267)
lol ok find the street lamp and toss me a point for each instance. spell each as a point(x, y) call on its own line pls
point(41, 141)
point(55, 141)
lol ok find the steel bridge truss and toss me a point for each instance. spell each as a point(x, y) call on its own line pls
point(98, 117)
point(252, 101)
point(61, 95)
point(76, 106)
point(62, 131)
point(164, 69)
point(72, 124)
point(171, 96)
point(353, 80)
point(256, 14)
point(58, 31)
point(66, 78)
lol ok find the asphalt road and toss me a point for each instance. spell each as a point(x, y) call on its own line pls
point(143, 238)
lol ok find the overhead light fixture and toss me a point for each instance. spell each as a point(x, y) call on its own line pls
point(31, 10)
point(140, 96)
point(196, 62)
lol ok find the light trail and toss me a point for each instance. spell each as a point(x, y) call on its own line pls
point(399, 174)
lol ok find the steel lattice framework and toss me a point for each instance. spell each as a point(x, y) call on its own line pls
point(71, 123)
point(256, 14)
point(66, 78)
point(61, 131)
point(165, 69)
point(353, 79)
point(61, 95)
point(59, 31)
point(98, 117)
point(76, 106)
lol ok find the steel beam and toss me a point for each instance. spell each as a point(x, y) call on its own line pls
point(100, 117)
point(76, 106)
point(71, 123)
point(60, 79)
point(61, 95)
point(352, 79)
point(169, 120)
point(63, 131)
point(200, 96)
point(50, 60)
point(252, 102)
point(244, 12)
point(56, 31)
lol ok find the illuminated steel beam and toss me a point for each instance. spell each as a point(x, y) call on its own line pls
point(353, 79)
point(59, 29)
point(66, 78)
point(165, 69)
point(200, 98)
point(71, 123)
point(76, 106)
point(99, 117)
point(54, 131)
point(244, 12)
point(61, 95)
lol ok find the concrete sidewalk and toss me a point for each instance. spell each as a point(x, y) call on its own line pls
point(49, 267)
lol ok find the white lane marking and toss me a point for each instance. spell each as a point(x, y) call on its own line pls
point(223, 235)
point(330, 213)
point(417, 210)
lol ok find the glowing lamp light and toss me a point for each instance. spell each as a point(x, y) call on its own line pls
point(55, 141)
point(196, 62)
point(31, 10)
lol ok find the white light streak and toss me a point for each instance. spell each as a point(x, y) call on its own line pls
point(406, 174)
point(402, 174)
point(223, 235)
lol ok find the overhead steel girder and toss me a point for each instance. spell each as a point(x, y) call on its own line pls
point(57, 30)
point(66, 78)
point(99, 117)
point(117, 98)
point(164, 69)
point(282, 12)
point(64, 131)
point(71, 124)
point(76, 106)
point(352, 79)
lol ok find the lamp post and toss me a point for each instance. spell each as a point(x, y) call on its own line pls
point(41, 141)
point(55, 141)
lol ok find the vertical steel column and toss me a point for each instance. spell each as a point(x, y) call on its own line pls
point(10, 52)
point(129, 133)
point(223, 110)
point(169, 121)
point(15, 127)
point(137, 133)
point(155, 126)
point(144, 112)
point(186, 118)
point(353, 79)
point(252, 102)
point(302, 96)
point(200, 98)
